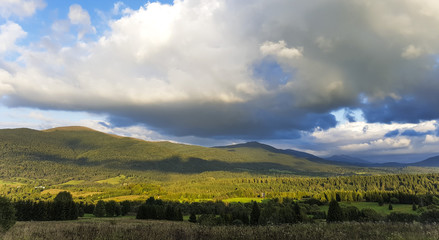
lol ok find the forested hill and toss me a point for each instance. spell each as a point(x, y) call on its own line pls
point(79, 146)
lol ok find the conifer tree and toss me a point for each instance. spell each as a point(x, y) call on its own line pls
point(254, 215)
point(179, 215)
point(193, 218)
point(100, 209)
point(335, 214)
point(125, 207)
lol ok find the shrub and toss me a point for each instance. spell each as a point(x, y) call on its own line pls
point(370, 215)
point(210, 220)
point(193, 218)
point(402, 217)
point(351, 213)
point(430, 216)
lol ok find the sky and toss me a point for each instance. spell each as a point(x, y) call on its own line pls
point(352, 77)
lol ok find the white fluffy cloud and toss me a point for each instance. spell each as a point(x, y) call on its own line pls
point(373, 140)
point(20, 8)
point(280, 50)
point(10, 32)
point(79, 16)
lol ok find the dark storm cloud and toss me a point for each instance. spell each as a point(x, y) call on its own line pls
point(223, 120)
point(406, 110)
point(247, 69)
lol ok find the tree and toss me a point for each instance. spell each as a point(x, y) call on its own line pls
point(179, 216)
point(335, 214)
point(170, 212)
point(193, 218)
point(390, 207)
point(7, 214)
point(63, 197)
point(64, 207)
point(380, 200)
point(112, 208)
point(100, 209)
point(254, 215)
point(125, 207)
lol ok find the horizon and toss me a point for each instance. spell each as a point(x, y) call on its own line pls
point(327, 78)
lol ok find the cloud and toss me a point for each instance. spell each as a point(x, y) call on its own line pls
point(20, 8)
point(280, 50)
point(203, 69)
point(381, 142)
point(387, 144)
point(78, 16)
point(10, 32)
point(412, 52)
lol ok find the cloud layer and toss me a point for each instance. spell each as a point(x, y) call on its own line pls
point(225, 69)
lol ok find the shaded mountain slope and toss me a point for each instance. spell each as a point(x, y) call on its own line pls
point(429, 162)
point(85, 147)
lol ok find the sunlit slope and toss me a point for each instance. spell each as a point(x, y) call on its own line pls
point(83, 146)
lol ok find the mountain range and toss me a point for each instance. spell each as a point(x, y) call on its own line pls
point(84, 147)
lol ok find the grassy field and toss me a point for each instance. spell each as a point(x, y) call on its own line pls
point(383, 210)
point(242, 200)
point(115, 180)
point(141, 229)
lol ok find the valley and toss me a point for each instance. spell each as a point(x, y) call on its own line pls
point(97, 166)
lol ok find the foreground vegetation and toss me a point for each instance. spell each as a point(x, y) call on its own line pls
point(142, 229)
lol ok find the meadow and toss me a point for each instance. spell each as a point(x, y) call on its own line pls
point(125, 228)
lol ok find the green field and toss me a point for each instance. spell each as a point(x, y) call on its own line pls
point(383, 210)
point(114, 180)
point(243, 200)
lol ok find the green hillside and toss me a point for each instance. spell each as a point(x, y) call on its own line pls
point(86, 147)
point(93, 165)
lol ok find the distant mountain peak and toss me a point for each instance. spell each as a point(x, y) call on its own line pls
point(252, 144)
point(347, 159)
point(429, 162)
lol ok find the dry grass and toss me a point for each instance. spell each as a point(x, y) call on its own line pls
point(141, 229)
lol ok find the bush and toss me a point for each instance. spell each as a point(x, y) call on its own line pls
point(312, 201)
point(370, 215)
point(402, 217)
point(351, 213)
point(193, 218)
point(431, 216)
